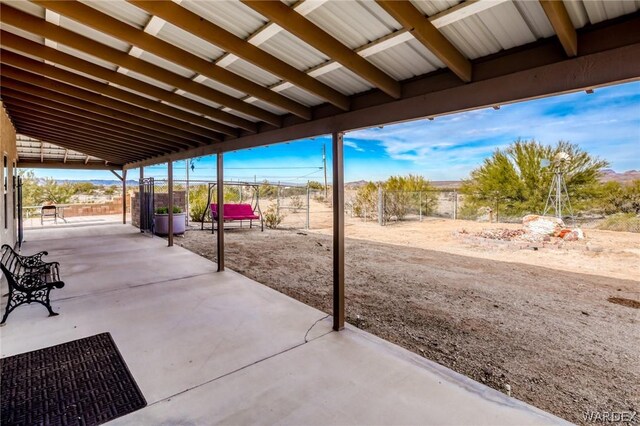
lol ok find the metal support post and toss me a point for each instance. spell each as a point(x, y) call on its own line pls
point(140, 196)
point(170, 178)
point(124, 197)
point(220, 189)
point(186, 195)
point(338, 231)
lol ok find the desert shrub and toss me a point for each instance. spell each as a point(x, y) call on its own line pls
point(622, 222)
point(366, 200)
point(616, 198)
point(402, 195)
point(297, 203)
point(315, 185)
point(272, 218)
point(267, 191)
point(197, 202)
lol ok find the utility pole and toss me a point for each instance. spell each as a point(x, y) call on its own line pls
point(324, 166)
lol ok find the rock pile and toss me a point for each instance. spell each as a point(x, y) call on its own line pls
point(535, 229)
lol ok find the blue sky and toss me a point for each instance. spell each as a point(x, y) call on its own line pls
point(605, 124)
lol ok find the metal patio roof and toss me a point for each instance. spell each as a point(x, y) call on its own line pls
point(138, 82)
point(33, 152)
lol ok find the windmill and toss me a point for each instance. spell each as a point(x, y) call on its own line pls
point(558, 198)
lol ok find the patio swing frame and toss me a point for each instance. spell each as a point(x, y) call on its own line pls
point(255, 203)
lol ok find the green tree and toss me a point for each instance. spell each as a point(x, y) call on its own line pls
point(616, 198)
point(84, 188)
point(32, 194)
point(56, 193)
point(518, 180)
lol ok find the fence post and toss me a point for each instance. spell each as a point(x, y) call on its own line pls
point(380, 206)
point(455, 204)
point(278, 199)
point(308, 205)
point(420, 205)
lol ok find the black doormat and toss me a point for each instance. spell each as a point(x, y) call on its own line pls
point(83, 382)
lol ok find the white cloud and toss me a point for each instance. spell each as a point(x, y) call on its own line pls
point(352, 144)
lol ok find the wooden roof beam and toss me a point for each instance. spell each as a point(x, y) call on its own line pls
point(315, 36)
point(199, 125)
point(71, 142)
point(28, 164)
point(106, 144)
point(562, 25)
point(79, 119)
point(81, 113)
point(50, 55)
point(116, 28)
point(45, 122)
point(426, 33)
point(35, 25)
point(229, 42)
point(161, 122)
point(47, 96)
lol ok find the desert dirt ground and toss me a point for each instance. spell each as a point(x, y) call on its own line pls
point(537, 320)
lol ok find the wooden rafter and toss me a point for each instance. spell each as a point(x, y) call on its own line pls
point(439, 20)
point(424, 31)
point(120, 144)
point(105, 144)
point(161, 122)
point(34, 25)
point(31, 48)
point(609, 52)
point(64, 102)
point(73, 143)
point(29, 164)
point(562, 25)
point(226, 40)
point(116, 28)
point(87, 122)
point(315, 36)
point(174, 116)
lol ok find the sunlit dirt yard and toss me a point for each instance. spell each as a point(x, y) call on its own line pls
point(559, 325)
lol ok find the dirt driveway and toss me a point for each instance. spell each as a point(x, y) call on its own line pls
point(551, 335)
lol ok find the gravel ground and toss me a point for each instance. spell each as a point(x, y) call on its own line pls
point(552, 336)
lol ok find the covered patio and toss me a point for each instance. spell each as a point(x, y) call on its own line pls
point(208, 347)
point(141, 83)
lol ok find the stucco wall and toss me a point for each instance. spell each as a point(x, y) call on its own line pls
point(8, 149)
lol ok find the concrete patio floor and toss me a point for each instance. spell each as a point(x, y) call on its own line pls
point(208, 348)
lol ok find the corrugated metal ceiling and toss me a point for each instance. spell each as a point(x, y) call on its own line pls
point(363, 26)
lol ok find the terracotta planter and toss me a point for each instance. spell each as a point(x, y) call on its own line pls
point(161, 223)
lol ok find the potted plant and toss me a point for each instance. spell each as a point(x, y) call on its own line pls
point(161, 220)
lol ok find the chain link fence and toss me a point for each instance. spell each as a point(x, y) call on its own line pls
point(284, 206)
point(394, 206)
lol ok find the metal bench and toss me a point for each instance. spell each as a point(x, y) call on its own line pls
point(234, 212)
point(30, 279)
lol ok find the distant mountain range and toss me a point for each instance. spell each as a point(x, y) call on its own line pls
point(99, 182)
point(608, 175)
